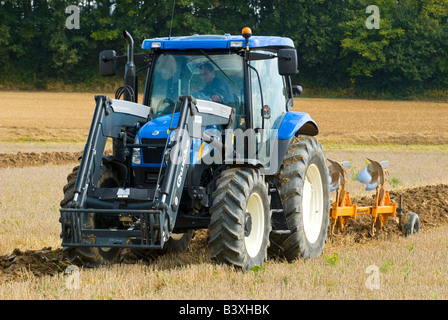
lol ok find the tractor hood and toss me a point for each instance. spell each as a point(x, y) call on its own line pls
point(158, 127)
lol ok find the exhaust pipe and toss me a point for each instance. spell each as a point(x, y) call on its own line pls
point(130, 79)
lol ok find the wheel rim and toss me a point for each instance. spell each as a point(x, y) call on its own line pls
point(255, 214)
point(312, 203)
point(176, 236)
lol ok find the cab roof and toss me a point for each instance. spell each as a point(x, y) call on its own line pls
point(226, 41)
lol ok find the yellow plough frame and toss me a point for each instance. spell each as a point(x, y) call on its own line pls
point(382, 208)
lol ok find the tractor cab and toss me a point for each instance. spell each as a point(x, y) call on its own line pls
point(249, 74)
point(220, 69)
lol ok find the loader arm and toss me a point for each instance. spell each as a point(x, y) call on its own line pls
point(195, 116)
point(109, 117)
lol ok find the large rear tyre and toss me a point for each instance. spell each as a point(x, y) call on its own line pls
point(240, 218)
point(93, 256)
point(302, 183)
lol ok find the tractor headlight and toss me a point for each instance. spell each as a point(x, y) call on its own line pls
point(136, 157)
point(236, 44)
point(156, 45)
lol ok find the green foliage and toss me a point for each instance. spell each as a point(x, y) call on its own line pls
point(332, 260)
point(387, 267)
point(394, 182)
point(257, 269)
point(406, 57)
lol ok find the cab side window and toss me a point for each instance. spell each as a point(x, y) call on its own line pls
point(273, 91)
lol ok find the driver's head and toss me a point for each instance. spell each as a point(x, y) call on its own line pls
point(207, 72)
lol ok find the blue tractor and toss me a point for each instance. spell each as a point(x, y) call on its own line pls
point(213, 145)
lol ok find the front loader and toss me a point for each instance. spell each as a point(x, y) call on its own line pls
point(214, 144)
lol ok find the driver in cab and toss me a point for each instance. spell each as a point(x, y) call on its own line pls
point(216, 89)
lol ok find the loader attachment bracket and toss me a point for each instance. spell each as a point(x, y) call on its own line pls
point(151, 233)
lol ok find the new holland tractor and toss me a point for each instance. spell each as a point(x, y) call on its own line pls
point(213, 144)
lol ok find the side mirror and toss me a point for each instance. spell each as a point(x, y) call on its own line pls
point(287, 62)
point(108, 64)
point(297, 90)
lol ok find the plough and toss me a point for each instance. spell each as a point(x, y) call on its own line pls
point(382, 208)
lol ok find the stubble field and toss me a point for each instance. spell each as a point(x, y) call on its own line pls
point(42, 136)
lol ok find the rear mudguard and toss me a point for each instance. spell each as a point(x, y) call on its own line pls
point(294, 123)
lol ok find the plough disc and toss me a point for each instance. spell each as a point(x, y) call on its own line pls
point(374, 177)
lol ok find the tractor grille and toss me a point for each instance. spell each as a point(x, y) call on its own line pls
point(153, 155)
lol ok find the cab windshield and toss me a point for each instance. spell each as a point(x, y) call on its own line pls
point(206, 76)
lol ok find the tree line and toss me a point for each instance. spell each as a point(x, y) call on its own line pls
point(344, 48)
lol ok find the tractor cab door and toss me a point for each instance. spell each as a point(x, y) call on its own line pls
point(269, 104)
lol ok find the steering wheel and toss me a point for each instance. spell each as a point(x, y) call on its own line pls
point(217, 98)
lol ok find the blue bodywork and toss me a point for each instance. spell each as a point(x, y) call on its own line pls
point(292, 122)
point(159, 129)
point(216, 42)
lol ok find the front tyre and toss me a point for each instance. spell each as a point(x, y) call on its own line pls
point(93, 256)
point(302, 183)
point(240, 218)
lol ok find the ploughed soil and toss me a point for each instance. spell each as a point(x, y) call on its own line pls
point(32, 159)
point(20, 265)
point(429, 202)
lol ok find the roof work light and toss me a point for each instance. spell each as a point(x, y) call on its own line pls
point(247, 33)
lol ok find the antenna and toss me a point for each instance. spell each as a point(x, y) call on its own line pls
point(172, 16)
